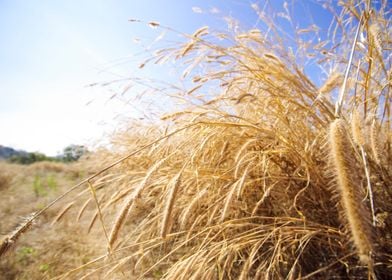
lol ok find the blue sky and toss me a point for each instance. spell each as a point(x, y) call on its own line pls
point(50, 51)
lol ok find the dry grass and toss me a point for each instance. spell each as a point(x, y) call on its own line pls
point(5, 177)
point(24, 254)
point(351, 197)
point(240, 182)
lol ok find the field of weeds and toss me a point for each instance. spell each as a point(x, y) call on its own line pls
point(260, 174)
point(48, 249)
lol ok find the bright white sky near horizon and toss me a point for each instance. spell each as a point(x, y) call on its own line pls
point(50, 50)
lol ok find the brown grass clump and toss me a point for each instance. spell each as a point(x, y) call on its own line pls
point(45, 166)
point(5, 180)
point(7, 173)
point(239, 182)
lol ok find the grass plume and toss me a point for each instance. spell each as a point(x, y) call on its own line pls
point(348, 185)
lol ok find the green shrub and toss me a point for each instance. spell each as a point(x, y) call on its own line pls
point(30, 158)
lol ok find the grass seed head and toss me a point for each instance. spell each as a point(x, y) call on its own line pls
point(349, 184)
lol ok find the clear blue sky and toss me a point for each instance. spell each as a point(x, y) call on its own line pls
point(51, 49)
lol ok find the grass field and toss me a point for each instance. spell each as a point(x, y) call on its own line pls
point(25, 190)
point(260, 174)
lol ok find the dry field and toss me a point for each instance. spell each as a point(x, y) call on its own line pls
point(260, 173)
point(48, 249)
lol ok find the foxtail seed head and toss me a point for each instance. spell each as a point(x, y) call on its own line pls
point(348, 186)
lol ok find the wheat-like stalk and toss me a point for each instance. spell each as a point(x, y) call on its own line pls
point(127, 206)
point(175, 183)
point(82, 209)
point(333, 81)
point(374, 143)
point(202, 31)
point(375, 33)
point(187, 213)
point(9, 240)
point(356, 129)
point(62, 212)
point(359, 139)
point(348, 187)
point(228, 201)
point(119, 221)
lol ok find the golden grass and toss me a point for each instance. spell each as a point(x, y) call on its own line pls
point(350, 193)
point(240, 183)
point(5, 180)
point(24, 254)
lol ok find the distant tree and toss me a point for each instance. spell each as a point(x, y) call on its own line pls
point(70, 153)
point(73, 152)
point(28, 158)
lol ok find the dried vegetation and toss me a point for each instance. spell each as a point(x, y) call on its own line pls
point(261, 174)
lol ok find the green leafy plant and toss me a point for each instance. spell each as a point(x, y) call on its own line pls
point(51, 182)
point(25, 253)
point(44, 267)
point(38, 187)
